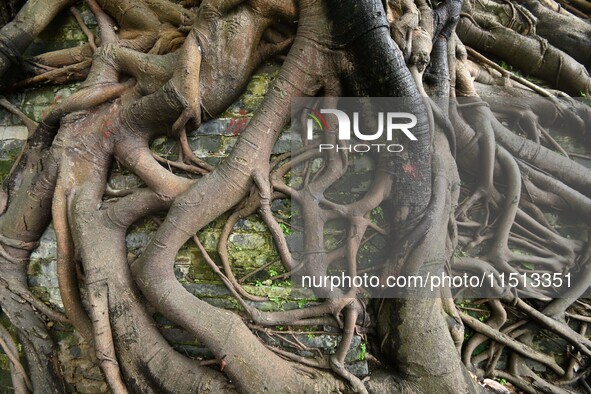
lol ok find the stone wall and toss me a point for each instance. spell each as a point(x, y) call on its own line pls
point(250, 244)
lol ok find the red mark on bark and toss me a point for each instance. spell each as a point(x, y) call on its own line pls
point(237, 125)
point(409, 169)
point(108, 133)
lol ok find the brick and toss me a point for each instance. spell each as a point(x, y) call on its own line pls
point(14, 133)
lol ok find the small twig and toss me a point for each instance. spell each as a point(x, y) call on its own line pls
point(224, 278)
point(256, 271)
point(579, 155)
point(322, 364)
point(59, 75)
point(574, 10)
point(582, 318)
point(265, 195)
point(181, 166)
point(89, 34)
point(7, 344)
point(248, 207)
point(552, 142)
point(188, 153)
point(509, 74)
point(13, 109)
point(105, 23)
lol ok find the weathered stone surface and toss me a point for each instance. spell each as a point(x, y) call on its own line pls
point(13, 133)
point(42, 270)
point(358, 368)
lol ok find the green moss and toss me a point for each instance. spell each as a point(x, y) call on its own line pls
point(4, 362)
point(251, 103)
point(35, 268)
point(8, 158)
point(65, 337)
point(5, 166)
point(362, 351)
point(258, 85)
point(146, 225)
point(40, 292)
point(249, 251)
point(200, 272)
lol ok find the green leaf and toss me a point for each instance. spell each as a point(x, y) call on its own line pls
point(363, 353)
point(286, 230)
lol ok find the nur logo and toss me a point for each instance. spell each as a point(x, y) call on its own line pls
point(318, 118)
point(388, 122)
